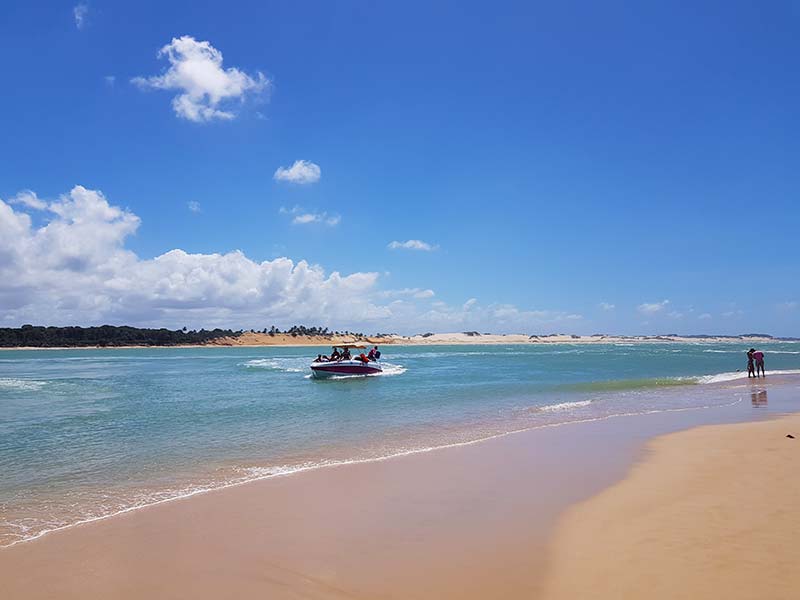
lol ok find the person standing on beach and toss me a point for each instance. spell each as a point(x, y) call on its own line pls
point(751, 370)
point(759, 358)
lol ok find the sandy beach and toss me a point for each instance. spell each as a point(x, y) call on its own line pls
point(257, 339)
point(703, 510)
point(709, 513)
point(399, 301)
point(473, 338)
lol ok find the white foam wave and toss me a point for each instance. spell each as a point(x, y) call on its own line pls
point(21, 384)
point(274, 364)
point(734, 375)
point(564, 406)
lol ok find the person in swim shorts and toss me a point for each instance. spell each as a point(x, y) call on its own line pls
point(758, 356)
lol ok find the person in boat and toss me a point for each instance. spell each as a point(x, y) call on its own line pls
point(374, 354)
point(335, 354)
point(319, 358)
point(346, 354)
point(363, 358)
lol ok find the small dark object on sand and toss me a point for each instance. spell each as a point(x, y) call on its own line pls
point(789, 435)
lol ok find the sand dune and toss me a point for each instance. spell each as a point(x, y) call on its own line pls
point(282, 339)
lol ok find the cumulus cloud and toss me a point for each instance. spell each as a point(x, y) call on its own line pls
point(471, 315)
point(79, 13)
point(29, 199)
point(204, 85)
point(418, 293)
point(651, 308)
point(607, 306)
point(193, 206)
point(704, 316)
point(301, 172)
point(412, 245)
point(75, 268)
point(300, 216)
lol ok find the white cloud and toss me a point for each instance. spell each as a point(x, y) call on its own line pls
point(788, 305)
point(418, 293)
point(607, 306)
point(704, 316)
point(79, 12)
point(651, 308)
point(75, 268)
point(498, 318)
point(303, 217)
point(674, 314)
point(110, 80)
point(196, 72)
point(412, 245)
point(301, 172)
point(29, 199)
point(193, 206)
point(733, 313)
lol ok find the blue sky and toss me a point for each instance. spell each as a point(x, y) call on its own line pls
point(555, 160)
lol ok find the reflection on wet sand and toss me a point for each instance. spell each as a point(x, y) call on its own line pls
point(758, 397)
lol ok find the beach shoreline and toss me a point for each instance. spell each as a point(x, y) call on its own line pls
point(265, 340)
point(707, 512)
point(316, 534)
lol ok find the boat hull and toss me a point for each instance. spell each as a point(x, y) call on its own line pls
point(345, 367)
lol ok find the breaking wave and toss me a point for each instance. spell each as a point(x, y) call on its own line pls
point(21, 384)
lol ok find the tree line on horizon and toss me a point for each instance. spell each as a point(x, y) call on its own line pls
point(105, 335)
point(37, 336)
point(302, 330)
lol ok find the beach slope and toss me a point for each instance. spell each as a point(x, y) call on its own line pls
point(709, 513)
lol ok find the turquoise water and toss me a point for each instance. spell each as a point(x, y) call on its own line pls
point(89, 433)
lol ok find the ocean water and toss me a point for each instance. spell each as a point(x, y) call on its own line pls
point(85, 434)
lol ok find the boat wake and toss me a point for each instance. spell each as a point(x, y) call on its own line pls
point(285, 365)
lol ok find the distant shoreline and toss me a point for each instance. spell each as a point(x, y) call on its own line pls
point(256, 340)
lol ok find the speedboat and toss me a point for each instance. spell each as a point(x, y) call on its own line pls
point(351, 366)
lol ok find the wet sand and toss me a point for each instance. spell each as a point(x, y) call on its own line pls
point(470, 521)
point(713, 512)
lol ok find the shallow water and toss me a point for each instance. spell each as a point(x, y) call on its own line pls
point(89, 433)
